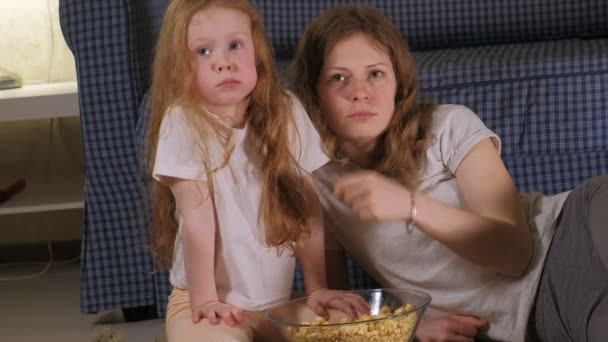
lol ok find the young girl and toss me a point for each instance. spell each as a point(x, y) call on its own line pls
point(419, 196)
point(232, 156)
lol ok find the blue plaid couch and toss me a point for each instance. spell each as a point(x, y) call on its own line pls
point(535, 71)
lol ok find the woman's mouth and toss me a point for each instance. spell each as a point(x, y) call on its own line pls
point(362, 115)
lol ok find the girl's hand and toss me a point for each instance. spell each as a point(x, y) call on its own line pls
point(449, 328)
point(351, 304)
point(373, 196)
point(216, 311)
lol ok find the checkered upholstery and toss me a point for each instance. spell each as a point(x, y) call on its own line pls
point(548, 101)
point(112, 59)
point(519, 64)
point(440, 24)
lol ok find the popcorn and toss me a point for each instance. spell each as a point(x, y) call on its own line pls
point(399, 328)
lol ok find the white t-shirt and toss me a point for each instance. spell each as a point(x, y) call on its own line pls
point(398, 258)
point(248, 274)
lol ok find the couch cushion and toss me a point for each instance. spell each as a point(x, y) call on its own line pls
point(546, 100)
point(434, 24)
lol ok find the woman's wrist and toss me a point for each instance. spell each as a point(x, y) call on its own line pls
point(406, 204)
point(315, 289)
point(411, 218)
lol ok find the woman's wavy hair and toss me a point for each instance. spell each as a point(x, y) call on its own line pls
point(399, 152)
point(283, 202)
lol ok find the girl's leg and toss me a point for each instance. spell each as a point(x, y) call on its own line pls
point(179, 326)
point(263, 329)
point(572, 299)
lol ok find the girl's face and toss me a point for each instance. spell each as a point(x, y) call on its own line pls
point(221, 41)
point(357, 89)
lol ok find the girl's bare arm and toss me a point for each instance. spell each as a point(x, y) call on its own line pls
point(311, 249)
point(195, 205)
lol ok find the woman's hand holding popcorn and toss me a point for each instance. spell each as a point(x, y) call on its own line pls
point(349, 303)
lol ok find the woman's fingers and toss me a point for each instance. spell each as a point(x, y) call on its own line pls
point(341, 304)
point(318, 308)
point(470, 320)
point(449, 328)
point(353, 193)
point(468, 325)
point(346, 182)
point(352, 186)
point(466, 330)
point(358, 303)
point(366, 213)
point(359, 200)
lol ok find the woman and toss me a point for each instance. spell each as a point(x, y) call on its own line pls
point(418, 194)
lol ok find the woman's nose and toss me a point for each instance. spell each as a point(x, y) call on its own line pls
point(360, 92)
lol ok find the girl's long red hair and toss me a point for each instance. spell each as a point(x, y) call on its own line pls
point(283, 202)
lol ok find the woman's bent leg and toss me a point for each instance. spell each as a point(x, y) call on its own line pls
point(179, 326)
point(572, 298)
point(598, 225)
point(598, 216)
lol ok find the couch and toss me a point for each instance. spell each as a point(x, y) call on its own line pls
point(535, 71)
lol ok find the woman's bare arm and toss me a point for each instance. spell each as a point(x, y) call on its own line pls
point(492, 232)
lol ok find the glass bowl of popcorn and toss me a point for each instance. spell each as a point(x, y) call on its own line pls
point(393, 316)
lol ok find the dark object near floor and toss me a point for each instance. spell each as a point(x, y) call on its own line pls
point(140, 313)
point(12, 189)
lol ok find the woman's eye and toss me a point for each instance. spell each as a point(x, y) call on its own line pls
point(203, 51)
point(337, 77)
point(235, 45)
point(376, 74)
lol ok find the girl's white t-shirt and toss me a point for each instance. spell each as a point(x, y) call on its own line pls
point(402, 259)
point(248, 274)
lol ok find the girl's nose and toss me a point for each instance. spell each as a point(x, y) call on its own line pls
point(223, 62)
point(219, 67)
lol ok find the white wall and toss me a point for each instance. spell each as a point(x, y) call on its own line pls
point(31, 44)
point(31, 41)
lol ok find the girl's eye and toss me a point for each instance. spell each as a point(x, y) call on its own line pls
point(376, 74)
point(337, 77)
point(235, 45)
point(203, 51)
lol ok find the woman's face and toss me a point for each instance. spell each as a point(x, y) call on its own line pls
point(357, 89)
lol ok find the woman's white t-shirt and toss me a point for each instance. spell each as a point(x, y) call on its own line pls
point(398, 258)
point(248, 274)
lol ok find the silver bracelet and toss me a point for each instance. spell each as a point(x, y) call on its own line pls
point(411, 220)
